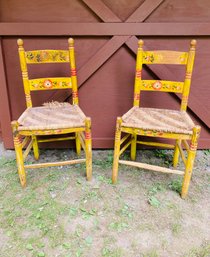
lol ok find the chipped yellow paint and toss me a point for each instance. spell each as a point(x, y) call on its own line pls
point(160, 57)
point(39, 57)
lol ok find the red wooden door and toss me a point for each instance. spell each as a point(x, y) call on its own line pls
point(106, 34)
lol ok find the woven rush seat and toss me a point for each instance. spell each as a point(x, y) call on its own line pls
point(52, 117)
point(158, 119)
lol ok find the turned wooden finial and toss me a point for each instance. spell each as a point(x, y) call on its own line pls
point(71, 41)
point(140, 43)
point(193, 43)
point(20, 42)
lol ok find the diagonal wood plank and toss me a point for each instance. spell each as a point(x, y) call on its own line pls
point(97, 60)
point(102, 11)
point(93, 64)
point(144, 10)
point(107, 15)
point(162, 71)
point(99, 8)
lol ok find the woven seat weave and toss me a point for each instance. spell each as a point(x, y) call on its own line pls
point(158, 120)
point(52, 117)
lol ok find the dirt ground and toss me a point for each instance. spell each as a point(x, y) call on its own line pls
point(59, 213)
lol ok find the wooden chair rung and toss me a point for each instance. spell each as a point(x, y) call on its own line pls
point(82, 136)
point(55, 139)
point(125, 147)
point(25, 141)
point(50, 164)
point(124, 139)
point(186, 144)
point(28, 148)
point(156, 144)
point(151, 167)
point(82, 141)
point(182, 153)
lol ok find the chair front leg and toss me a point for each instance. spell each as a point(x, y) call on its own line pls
point(35, 148)
point(190, 161)
point(78, 144)
point(19, 154)
point(116, 150)
point(176, 153)
point(133, 147)
point(88, 148)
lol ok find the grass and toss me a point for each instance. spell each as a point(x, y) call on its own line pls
point(60, 214)
point(165, 156)
point(176, 185)
point(202, 251)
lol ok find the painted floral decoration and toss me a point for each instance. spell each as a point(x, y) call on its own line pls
point(157, 85)
point(149, 58)
point(48, 84)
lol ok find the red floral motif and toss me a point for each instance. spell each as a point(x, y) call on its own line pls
point(157, 85)
point(48, 84)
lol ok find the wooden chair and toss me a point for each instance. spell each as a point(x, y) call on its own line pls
point(161, 123)
point(52, 118)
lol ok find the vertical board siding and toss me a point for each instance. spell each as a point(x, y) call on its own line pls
point(106, 64)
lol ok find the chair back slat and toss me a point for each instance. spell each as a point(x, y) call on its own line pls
point(43, 57)
point(50, 83)
point(162, 85)
point(165, 57)
point(47, 56)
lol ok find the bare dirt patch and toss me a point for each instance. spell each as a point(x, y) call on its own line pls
point(59, 213)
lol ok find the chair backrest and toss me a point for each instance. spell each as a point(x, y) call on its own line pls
point(164, 57)
point(48, 56)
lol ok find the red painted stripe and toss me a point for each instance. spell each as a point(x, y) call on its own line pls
point(138, 73)
point(75, 94)
point(87, 135)
point(73, 72)
point(136, 96)
point(193, 147)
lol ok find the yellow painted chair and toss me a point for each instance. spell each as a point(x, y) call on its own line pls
point(52, 118)
point(162, 123)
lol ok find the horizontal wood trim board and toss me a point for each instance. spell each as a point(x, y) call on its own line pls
point(105, 29)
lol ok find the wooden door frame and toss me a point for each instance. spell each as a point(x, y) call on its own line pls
point(120, 32)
